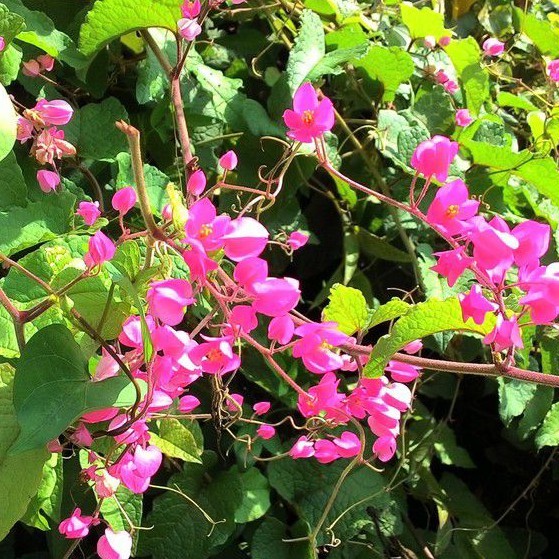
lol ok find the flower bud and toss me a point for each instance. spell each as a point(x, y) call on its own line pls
point(57, 112)
point(196, 183)
point(228, 161)
point(124, 200)
point(48, 180)
point(101, 249)
point(89, 211)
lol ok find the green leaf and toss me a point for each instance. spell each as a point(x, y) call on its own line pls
point(53, 388)
point(506, 99)
point(348, 308)
point(92, 130)
point(539, 31)
point(256, 497)
point(20, 476)
point(109, 19)
point(180, 529)
point(10, 61)
point(8, 340)
point(376, 247)
point(176, 440)
point(465, 55)
point(548, 434)
point(46, 503)
point(448, 451)
point(269, 542)
point(8, 124)
point(535, 411)
point(14, 189)
point(389, 311)
point(307, 486)
point(422, 320)
point(10, 25)
point(514, 396)
point(389, 66)
point(423, 22)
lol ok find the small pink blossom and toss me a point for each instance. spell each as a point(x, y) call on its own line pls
point(228, 161)
point(196, 183)
point(385, 448)
point(168, 299)
point(25, 129)
point(445, 41)
point(81, 436)
point(50, 145)
point(101, 249)
point(553, 70)
point(452, 263)
point(266, 432)
point(106, 484)
point(188, 403)
point(451, 87)
point(190, 10)
point(433, 157)
point(114, 545)
point(261, 408)
point(347, 444)
point(2, 43)
point(215, 356)
point(235, 401)
point(89, 211)
point(31, 68)
point(413, 347)
point(325, 451)
point(463, 117)
point(243, 318)
point(189, 29)
point(249, 271)
point(204, 228)
point(324, 399)
point(303, 448)
point(281, 329)
point(474, 305)
point(297, 239)
point(57, 112)
point(310, 118)
point(493, 47)
point(275, 296)
point(533, 242)
point(46, 61)
point(245, 237)
point(402, 372)
point(48, 180)
point(441, 77)
point(505, 334)
point(124, 200)
point(76, 526)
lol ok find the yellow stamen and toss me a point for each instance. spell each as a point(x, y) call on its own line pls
point(308, 117)
point(205, 231)
point(452, 211)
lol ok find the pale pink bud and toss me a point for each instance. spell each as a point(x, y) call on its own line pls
point(188, 403)
point(101, 249)
point(445, 41)
point(31, 68)
point(260, 408)
point(413, 347)
point(493, 47)
point(124, 200)
point(463, 117)
point(196, 183)
point(189, 29)
point(385, 448)
point(25, 129)
point(114, 545)
point(46, 62)
point(266, 431)
point(89, 211)
point(297, 239)
point(57, 112)
point(228, 161)
point(48, 180)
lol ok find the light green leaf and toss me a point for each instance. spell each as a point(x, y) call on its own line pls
point(8, 124)
point(514, 396)
point(256, 497)
point(448, 450)
point(20, 476)
point(423, 22)
point(389, 311)
point(389, 66)
point(465, 55)
point(8, 340)
point(539, 31)
point(422, 320)
point(176, 440)
point(109, 19)
point(10, 25)
point(53, 388)
point(348, 308)
point(14, 189)
point(548, 434)
point(506, 99)
point(10, 61)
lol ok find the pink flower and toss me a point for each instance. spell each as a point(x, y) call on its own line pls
point(325, 451)
point(260, 408)
point(76, 526)
point(131, 334)
point(347, 444)
point(451, 207)
point(215, 356)
point(48, 180)
point(167, 212)
point(168, 299)
point(46, 61)
point(533, 242)
point(474, 305)
point(316, 344)
point(303, 448)
point(249, 271)
point(25, 129)
point(189, 29)
point(188, 403)
point(297, 239)
point(101, 249)
point(445, 41)
point(402, 372)
point(106, 484)
point(196, 182)
point(50, 145)
point(81, 436)
point(493, 47)
point(245, 237)
point(235, 401)
point(124, 200)
point(228, 161)
point(324, 399)
point(397, 395)
point(2, 43)
point(190, 10)
point(429, 42)
point(147, 460)
point(441, 77)
point(433, 157)
point(114, 545)
point(31, 68)
point(57, 112)
point(413, 347)
point(553, 70)
point(243, 318)
point(198, 264)
point(463, 117)
point(542, 284)
point(451, 87)
point(89, 211)
point(385, 448)
point(204, 227)
point(310, 118)
point(266, 432)
point(281, 329)
point(505, 334)
point(452, 263)
point(275, 296)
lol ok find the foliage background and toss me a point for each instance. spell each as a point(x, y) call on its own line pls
point(476, 475)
